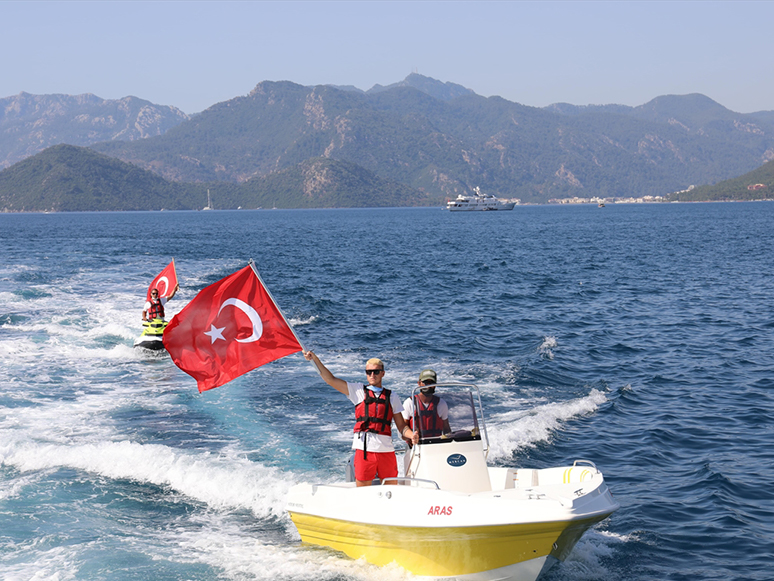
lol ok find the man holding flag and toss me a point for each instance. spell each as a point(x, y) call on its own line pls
point(154, 307)
point(375, 409)
point(161, 289)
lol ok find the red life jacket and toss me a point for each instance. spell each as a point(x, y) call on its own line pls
point(374, 414)
point(430, 423)
point(156, 310)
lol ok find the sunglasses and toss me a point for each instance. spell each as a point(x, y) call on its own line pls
point(372, 371)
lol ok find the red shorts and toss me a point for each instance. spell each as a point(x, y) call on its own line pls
point(383, 464)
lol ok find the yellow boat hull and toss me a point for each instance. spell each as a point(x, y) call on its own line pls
point(445, 551)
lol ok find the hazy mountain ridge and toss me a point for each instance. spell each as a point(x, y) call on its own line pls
point(439, 139)
point(693, 112)
point(436, 89)
point(31, 123)
point(446, 147)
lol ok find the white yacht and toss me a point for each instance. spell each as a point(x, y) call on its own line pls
point(478, 202)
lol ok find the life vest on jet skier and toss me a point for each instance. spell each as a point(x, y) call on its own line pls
point(430, 423)
point(156, 310)
point(374, 413)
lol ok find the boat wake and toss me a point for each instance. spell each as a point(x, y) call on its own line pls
point(222, 482)
point(587, 560)
point(514, 430)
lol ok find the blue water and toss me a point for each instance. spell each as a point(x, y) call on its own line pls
point(636, 336)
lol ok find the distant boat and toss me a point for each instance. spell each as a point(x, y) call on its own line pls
point(478, 202)
point(209, 202)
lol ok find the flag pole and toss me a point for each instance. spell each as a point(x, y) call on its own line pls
point(251, 262)
point(292, 330)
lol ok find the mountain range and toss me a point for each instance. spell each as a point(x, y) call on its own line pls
point(414, 142)
point(31, 123)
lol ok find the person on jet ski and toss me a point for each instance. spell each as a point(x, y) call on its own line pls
point(431, 411)
point(154, 308)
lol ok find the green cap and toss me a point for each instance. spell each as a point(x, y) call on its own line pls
point(428, 375)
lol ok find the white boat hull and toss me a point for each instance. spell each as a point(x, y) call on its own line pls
point(478, 203)
point(480, 208)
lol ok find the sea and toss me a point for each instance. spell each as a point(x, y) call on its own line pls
point(639, 337)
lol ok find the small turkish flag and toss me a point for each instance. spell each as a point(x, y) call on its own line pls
point(165, 281)
point(229, 328)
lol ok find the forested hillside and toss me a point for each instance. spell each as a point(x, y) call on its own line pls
point(66, 178)
point(755, 185)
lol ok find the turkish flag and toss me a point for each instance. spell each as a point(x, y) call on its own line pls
point(165, 281)
point(229, 328)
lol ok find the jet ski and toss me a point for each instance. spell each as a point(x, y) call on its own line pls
point(452, 516)
point(152, 332)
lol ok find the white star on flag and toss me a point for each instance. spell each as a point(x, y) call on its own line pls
point(215, 333)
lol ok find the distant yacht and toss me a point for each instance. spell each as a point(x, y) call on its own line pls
point(209, 202)
point(478, 202)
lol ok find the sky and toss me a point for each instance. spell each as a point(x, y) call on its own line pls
point(192, 55)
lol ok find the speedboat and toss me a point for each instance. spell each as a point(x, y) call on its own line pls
point(452, 516)
point(152, 332)
point(478, 202)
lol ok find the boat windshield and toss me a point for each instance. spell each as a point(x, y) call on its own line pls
point(462, 423)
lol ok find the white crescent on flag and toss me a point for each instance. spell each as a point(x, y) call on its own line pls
point(165, 280)
point(254, 317)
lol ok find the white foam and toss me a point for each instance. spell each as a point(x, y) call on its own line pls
point(547, 347)
point(513, 430)
point(54, 564)
point(298, 322)
point(224, 545)
point(219, 481)
point(585, 562)
point(13, 488)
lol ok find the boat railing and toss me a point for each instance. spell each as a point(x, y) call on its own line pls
point(387, 482)
point(589, 462)
point(409, 479)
